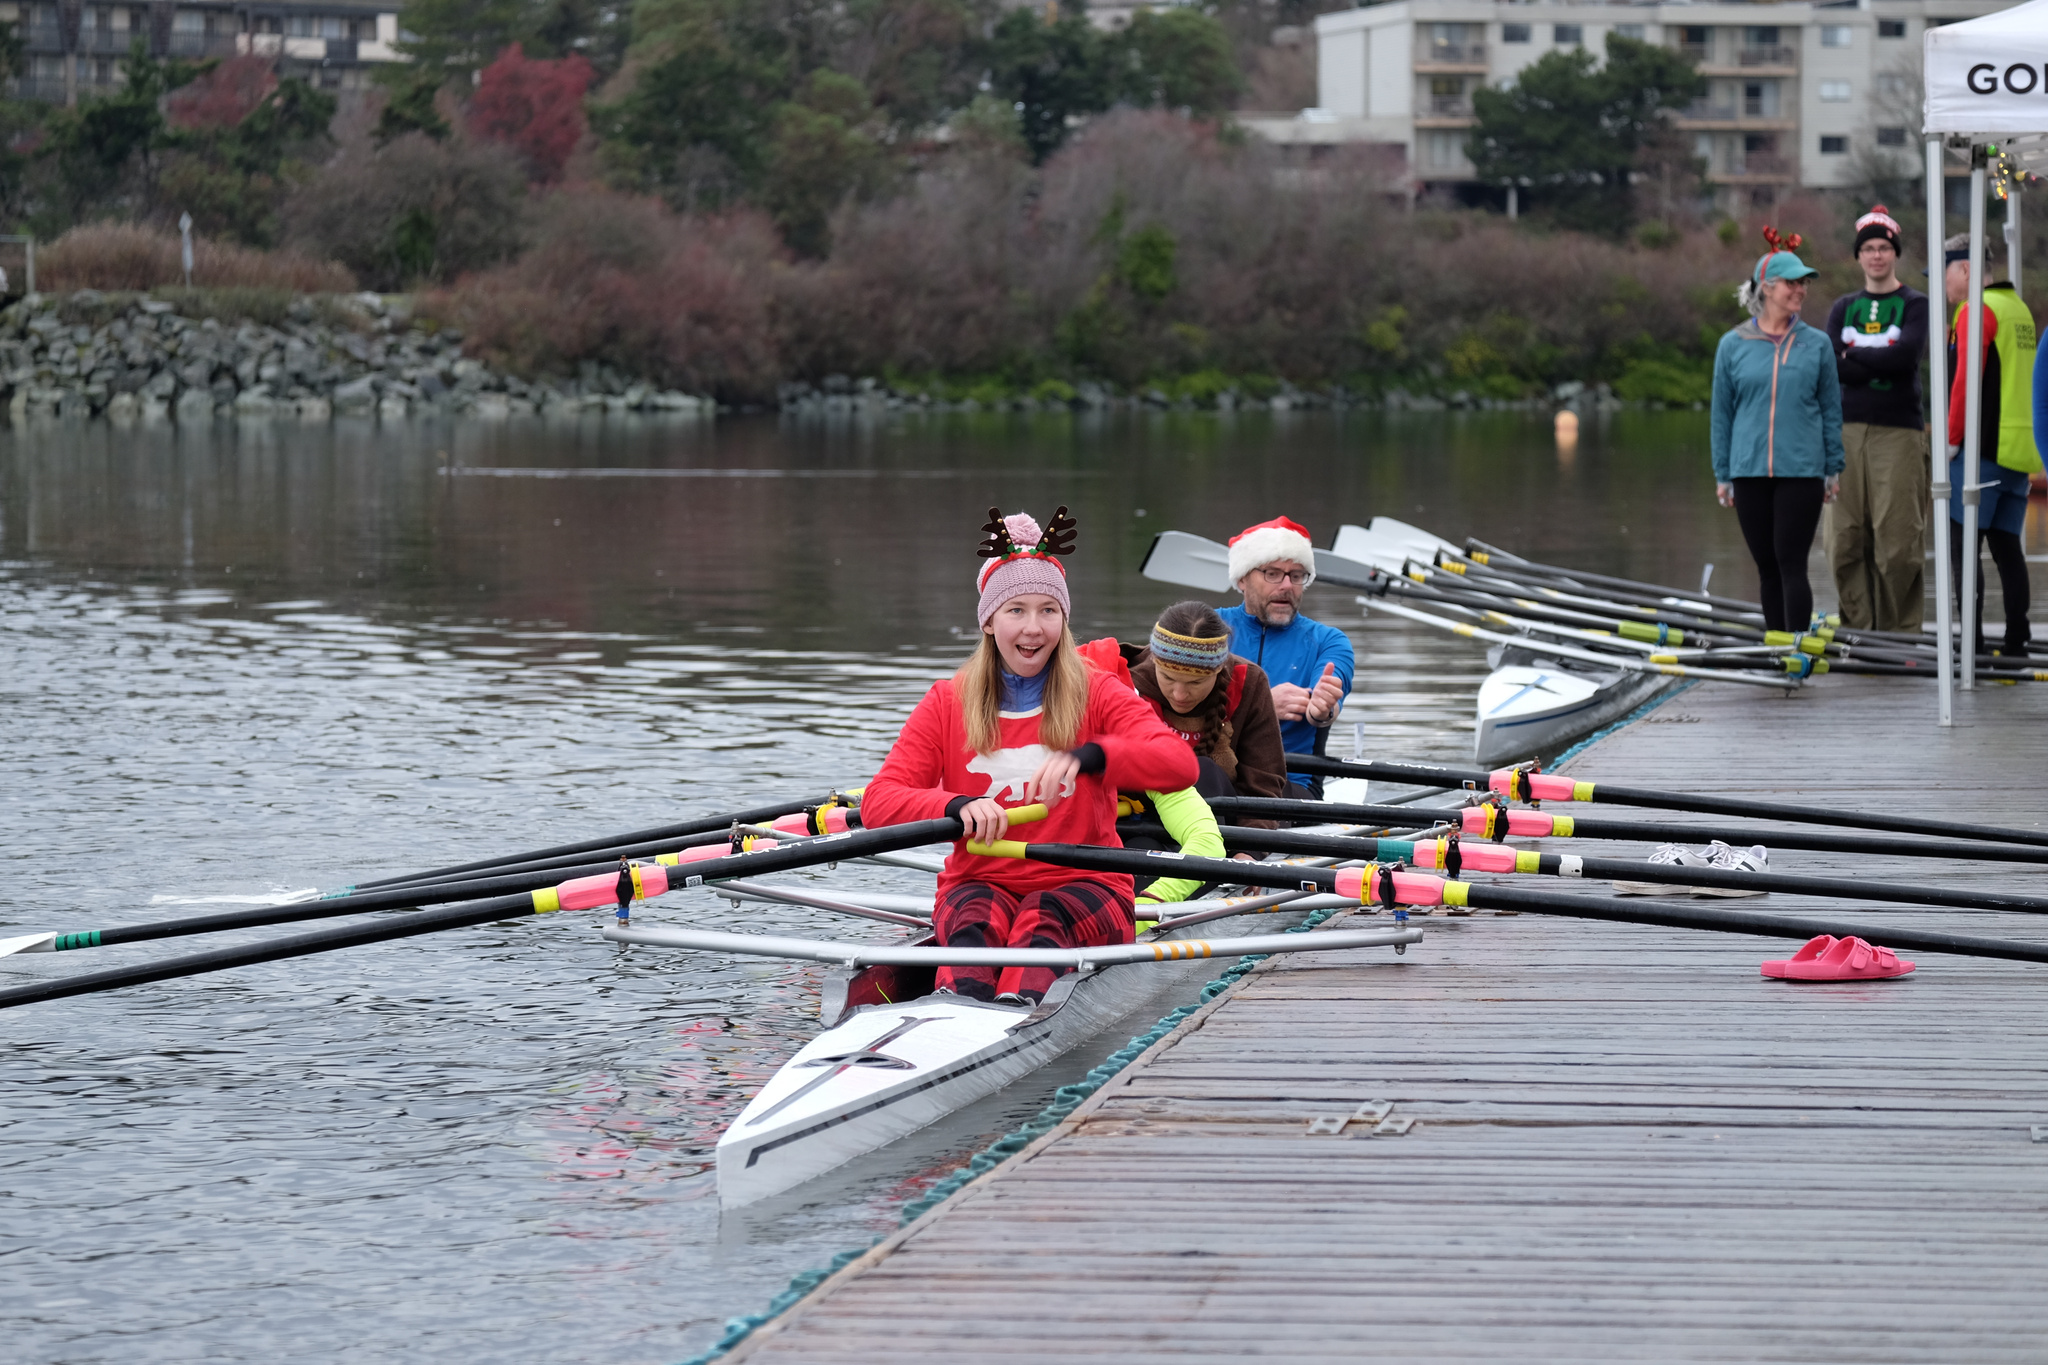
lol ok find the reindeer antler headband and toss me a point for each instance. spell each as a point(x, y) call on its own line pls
point(1023, 559)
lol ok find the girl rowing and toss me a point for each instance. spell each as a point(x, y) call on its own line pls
point(1025, 721)
point(1220, 704)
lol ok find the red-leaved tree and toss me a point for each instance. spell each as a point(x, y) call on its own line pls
point(533, 106)
point(224, 96)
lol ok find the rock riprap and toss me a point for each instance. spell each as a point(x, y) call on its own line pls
point(137, 358)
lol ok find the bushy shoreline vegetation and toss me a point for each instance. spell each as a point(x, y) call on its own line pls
point(960, 201)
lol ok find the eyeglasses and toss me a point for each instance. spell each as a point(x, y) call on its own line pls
point(1273, 578)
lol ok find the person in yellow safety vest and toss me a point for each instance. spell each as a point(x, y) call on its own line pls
point(2006, 453)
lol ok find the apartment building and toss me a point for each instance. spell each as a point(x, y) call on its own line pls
point(75, 49)
point(1793, 89)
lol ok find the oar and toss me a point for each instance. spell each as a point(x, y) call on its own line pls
point(1479, 552)
point(391, 898)
point(611, 845)
point(1453, 856)
point(1106, 955)
point(792, 896)
point(1193, 562)
point(1523, 785)
point(618, 889)
point(1620, 661)
point(1494, 822)
point(292, 912)
point(1394, 887)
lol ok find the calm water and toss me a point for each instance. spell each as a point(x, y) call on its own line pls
point(240, 662)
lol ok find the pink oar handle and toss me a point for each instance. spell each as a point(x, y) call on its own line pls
point(705, 851)
point(1410, 888)
point(587, 893)
point(832, 818)
point(1471, 857)
point(1484, 821)
point(1521, 786)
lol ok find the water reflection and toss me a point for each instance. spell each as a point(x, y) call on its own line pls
point(248, 659)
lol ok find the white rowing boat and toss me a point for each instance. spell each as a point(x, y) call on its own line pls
point(896, 1058)
point(1531, 707)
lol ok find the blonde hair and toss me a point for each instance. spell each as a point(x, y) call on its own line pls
point(979, 685)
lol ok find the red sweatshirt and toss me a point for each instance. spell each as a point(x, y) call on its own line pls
point(932, 764)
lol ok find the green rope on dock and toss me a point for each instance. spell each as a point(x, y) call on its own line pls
point(1630, 719)
point(1065, 1101)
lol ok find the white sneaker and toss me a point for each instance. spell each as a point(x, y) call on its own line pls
point(1670, 855)
point(1755, 858)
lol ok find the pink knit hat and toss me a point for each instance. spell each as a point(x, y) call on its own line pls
point(1022, 560)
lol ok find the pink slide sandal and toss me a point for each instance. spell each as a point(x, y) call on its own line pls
point(1838, 959)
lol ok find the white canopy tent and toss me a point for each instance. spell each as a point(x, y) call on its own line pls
point(1987, 82)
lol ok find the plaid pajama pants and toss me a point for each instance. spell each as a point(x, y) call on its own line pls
point(1080, 914)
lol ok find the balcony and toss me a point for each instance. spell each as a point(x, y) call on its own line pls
point(43, 38)
point(110, 42)
point(204, 44)
point(1444, 55)
point(1752, 57)
point(1449, 106)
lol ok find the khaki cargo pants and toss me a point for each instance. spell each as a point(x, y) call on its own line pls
point(1876, 530)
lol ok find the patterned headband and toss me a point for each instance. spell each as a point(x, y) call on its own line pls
point(1192, 652)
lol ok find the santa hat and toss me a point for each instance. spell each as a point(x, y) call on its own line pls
point(1875, 224)
point(1257, 546)
point(1022, 559)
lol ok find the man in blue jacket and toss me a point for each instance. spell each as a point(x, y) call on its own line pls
point(1309, 663)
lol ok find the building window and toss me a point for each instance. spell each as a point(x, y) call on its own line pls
point(1834, 35)
point(188, 21)
point(1891, 28)
point(1759, 144)
point(1754, 36)
point(1634, 31)
point(1514, 33)
point(1834, 92)
point(1760, 99)
point(1891, 137)
point(1567, 35)
point(1833, 146)
point(1446, 150)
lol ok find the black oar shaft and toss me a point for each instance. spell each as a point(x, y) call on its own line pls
point(1626, 869)
point(611, 843)
point(1645, 831)
point(1651, 798)
point(781, 858)
point(1492, 896)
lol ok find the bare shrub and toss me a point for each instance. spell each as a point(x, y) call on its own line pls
point(416, 211)
point(125, 256)
point(685, 300)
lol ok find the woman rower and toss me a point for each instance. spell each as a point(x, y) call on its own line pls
point(1220, 704)
point(1024, 721)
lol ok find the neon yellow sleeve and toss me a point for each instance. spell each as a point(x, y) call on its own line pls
point(1193, 826)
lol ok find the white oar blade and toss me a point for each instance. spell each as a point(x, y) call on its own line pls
point(28, 943)
point(879, 955)
point(1190, 561)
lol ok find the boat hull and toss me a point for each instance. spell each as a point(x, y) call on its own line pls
point(1531, 710)
point(882, 1071)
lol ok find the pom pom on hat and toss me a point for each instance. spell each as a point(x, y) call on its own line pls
point(1022, 559)
point(1257, 546)
point(1876, 225)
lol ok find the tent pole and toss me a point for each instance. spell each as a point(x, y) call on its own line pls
point(1937, 445)
point(1972, 332)
point(2012, 236)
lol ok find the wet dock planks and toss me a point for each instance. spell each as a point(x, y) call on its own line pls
point(1628, 1146)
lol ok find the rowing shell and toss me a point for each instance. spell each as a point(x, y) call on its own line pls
point(1532, 708)
point(898, 1058)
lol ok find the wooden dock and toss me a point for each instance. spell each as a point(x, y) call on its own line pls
point(1629, 1145)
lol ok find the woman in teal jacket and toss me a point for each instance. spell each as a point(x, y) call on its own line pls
point(1777, 430)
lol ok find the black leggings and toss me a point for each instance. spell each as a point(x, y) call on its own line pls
point(2011, 558)
point(1778, 517)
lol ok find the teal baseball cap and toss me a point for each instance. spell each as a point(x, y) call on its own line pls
point(1779, 263)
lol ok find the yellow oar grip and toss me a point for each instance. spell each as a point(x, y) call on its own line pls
point(1001, 848)
point(546, 901)
point(1027, 815)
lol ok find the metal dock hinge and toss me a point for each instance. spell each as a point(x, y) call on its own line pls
point(1374, 1119)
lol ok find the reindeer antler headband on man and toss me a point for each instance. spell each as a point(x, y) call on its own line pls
point(1022, 559)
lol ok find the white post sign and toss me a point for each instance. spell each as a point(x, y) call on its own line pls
point(185, 245)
